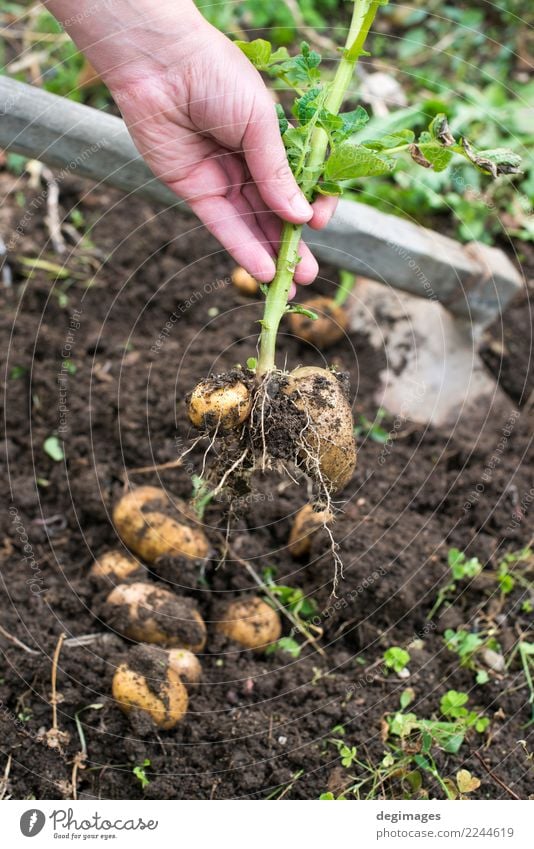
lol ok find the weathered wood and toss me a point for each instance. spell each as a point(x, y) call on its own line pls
point(473, 281)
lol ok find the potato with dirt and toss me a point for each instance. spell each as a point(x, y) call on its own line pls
point(116, 567)
point(149, 613)
point(219, 403)
point(147, 687)
point(305, 525)
point(251, 622)
point(153, 526)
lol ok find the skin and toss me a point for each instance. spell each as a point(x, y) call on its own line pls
point(202, 118)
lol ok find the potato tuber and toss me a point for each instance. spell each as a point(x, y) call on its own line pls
point(307, 523)
point(147, 684)
point(251, 623)
point(149, 613)
point(328, 450)
point(186, 665)
point(152, 526)
point(115, 567)
point(219, 403)
point(244, 282)
point(329, 327)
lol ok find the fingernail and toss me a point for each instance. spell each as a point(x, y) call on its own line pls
point(301, 207)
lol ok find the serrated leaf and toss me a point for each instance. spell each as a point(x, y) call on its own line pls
point(390, 140)
point(350, 161)
point(258, 52)
point(351, 122)
point(53, 447)
point(305, 106)
point(302, 68)
point(283, 123)
point(497, 161)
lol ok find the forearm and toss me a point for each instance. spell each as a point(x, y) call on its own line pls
point(125, 36)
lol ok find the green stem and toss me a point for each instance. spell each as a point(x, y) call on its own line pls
point(276, 301)
point(348, 281)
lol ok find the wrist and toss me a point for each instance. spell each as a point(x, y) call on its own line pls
point(126, 38)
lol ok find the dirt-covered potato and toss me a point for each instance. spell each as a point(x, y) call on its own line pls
point(151, 614)
point(245, 282)
point(250, 622)
point(219, 403)
point(147, 684)
point(329, 326)
point(307, 522)
point(115, 567)
point(186, 665)
point(153, 526)
point(329, 451)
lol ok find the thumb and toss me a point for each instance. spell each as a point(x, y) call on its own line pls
point(267, 162)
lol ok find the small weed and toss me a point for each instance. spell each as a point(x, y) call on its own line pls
point(140, 773)
point(372, 429)
point(461, 569)
point(396, 659)
point(467, 645)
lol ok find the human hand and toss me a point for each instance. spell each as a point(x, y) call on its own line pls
point(205, 123)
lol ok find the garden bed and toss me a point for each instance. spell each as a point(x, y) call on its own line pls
point(159, 315)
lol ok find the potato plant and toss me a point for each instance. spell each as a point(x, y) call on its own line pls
point(310, 405)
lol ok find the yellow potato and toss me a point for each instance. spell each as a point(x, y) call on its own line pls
point(216, 404)
point(152, 526)
point(164, 700)
point(251, 623)
point(328, 328)
point(307, 523)
point(150, 614)
point(115, 566)
point(186, 665)
point(244, 282)
point(330, 452)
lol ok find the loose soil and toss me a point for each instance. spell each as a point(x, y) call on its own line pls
point(147, 312)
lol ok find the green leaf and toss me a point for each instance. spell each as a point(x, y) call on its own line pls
point(252, 363)
point(260, 53)
point(351, 161)
point(302, 68)
point(351, 122)
point(283, 123)
point(328, 188)
point(390, 140)
point(54, 449)
point(406, 697)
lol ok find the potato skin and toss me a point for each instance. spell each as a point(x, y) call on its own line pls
point(245, 282)
point(307, 522)
point(318, 393)
point(165, 701)
point(151, 527)
point(148, 613)
point(212, 406)
point(186, 665)
point(328, 328)
point(115, 567)
point(251, 623)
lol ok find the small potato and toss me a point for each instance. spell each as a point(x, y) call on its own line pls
point(307, 523)
point(164, 699)
point(114, 567)
point(329, 436)
point(150, 614)
point(245, 282)
point(250, 622)
point(328, 328)
point(219, 403)
point(152, 526)
point(186, 665)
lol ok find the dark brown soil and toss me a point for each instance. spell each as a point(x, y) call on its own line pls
point(147, 312)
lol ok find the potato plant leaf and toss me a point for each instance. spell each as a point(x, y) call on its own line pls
point(350, 161)
point(260, 53)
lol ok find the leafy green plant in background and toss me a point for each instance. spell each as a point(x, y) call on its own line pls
point(301, 607)
point(468, 645)
point(461, 568)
